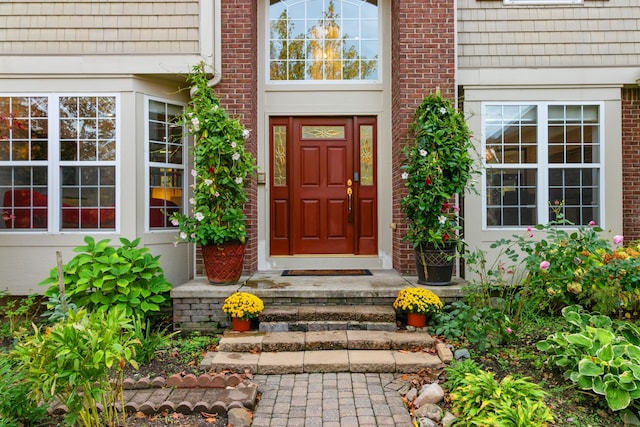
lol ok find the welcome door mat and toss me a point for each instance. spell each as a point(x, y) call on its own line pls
point(351, 272)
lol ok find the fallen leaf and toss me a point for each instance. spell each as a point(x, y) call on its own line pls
point(141, 414)
point(177, 415)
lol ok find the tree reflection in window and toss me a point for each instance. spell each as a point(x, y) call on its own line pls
point(323, 40)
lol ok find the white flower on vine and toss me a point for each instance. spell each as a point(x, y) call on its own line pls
point(442, 219)
point(192, 201)
point(175, 222)
point(208, 182)
point(238, 180)
point(233, 144)
point(443, 110)
point(246, 133)
point(423, 152)
point(194, 173)
point(216, 194)
point(405, 175)
point(183, 235)
point(195, 122)
point(235, 156)
point(199, 216)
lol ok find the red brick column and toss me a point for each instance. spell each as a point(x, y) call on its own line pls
point(631, 163)
point(237, 91)
point(423, 52)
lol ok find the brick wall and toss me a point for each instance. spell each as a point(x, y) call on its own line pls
point(423, 53)
point(237, 92)
point(631, 163)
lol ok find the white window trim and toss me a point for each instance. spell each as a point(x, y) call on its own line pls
point(541, 2)
point(542, 138)
point(339, 84)
point(148, 165)
point(53, 164)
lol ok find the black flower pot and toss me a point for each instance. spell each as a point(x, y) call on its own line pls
point(435, 265)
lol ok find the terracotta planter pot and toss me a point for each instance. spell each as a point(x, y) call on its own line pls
point(240, 325)
point(417, 320)
point(223, 263)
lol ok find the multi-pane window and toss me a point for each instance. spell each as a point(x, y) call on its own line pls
point(166, 162)
point(324, 40)
point(58, 162)
point(538, 154)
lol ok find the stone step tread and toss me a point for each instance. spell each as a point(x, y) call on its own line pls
point(291, 362)
point(325, 340)
point(319, 325)
point(360, 313)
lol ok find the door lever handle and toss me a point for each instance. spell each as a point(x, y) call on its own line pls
point(350, 203)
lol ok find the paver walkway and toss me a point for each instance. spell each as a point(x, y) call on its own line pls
point(342, 399)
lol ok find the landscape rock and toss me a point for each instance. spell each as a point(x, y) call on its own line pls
point(411, 394)
point(429, 393)
point(462, 354)
point(429, 410)
point(239, 417)
point(426, 422)
point(448, 419)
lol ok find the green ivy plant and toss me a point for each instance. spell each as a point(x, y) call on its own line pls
point(222, 168)
point(80, 362)
point(439, 165)
point(102, 277)
point(598, 356)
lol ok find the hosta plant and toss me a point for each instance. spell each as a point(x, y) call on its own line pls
point(481, 400)
point(598, 355)
point(243, 305)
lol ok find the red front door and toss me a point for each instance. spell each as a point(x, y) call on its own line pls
point(318, 202)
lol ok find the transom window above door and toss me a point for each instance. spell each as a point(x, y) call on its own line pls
point(312, 40)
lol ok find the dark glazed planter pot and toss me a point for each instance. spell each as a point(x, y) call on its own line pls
point(223, 263)
point(435, 265)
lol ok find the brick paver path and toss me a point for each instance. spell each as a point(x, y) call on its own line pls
point(342, 399)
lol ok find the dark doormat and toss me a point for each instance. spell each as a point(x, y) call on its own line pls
point(352, 272)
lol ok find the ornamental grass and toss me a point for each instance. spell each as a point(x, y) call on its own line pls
point(417, 300)
point(243, 305)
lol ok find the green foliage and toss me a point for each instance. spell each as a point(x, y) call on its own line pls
point(598, 355)
point(58, 308)
point(102, 277)
point(71, 361)
point(480, 400)
point(456, 372)
point(438, 166)
point(193, 346)
point(19, 313)
point(149, 340)
point(221, 169)
point(16, 409)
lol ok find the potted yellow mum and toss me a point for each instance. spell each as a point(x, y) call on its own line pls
point(241, 307)
point(418, 303)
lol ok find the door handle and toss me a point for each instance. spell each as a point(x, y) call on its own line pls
point(349, 201)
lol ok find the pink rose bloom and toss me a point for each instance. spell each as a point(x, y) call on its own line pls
point(509, 330)
point(544, 265)
point(592, 223)
point(618, 239)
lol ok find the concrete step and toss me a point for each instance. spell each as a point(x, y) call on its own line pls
point(328, 351)
point(327, 318)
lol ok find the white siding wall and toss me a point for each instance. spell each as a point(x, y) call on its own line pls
point(99, 27)
point(597, 33)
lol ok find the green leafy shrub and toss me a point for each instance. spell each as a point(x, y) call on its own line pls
point(16, 409)
point(481, 400)
point(18, 312)
point(149, 339)
point(598, 356)
point(72, 360)
point(101, 277)
point(457, 370)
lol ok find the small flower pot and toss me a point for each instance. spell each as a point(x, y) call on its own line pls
point(240, 325)
point(417, 319)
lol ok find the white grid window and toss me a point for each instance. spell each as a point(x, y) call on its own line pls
point(58, 162)
point(166, 157)
point(540, 153)
point(324, 40)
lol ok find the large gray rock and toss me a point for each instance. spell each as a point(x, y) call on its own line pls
point(448, 419)
point(429, 410)
point(462, 354)
point(426, 422)
point(429, 393)
point(239, 417)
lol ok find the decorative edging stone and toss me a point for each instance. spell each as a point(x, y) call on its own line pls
point(214, 393)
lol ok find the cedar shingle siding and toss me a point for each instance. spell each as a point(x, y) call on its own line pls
point(98, 27)
point(596, 33)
